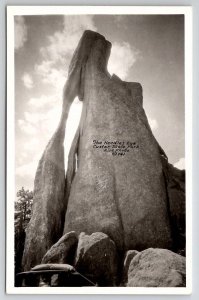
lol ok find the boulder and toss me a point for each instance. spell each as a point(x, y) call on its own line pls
point(97, 259)
point(123, 196)
point(157, 268)
point(63, 251)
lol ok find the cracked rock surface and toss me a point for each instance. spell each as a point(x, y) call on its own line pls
point(122, 196)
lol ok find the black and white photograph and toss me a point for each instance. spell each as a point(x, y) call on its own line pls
point(99, 176)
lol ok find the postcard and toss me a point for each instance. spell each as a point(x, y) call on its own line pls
point(99, 144)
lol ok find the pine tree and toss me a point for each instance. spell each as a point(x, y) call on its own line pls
point(23, 209)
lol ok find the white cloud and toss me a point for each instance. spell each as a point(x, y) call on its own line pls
point(20, 32)
point(57, 55)
point(30, 145)
point(180, 164)
point(42, 124)
point(27, 81)
point(64, 42)
point(122, 58)
point(26, 127)
point(28, 169)
point(51, 121)
point(46, 123)
point(34, 118)
point(45, 101)
point(56, 77)
point(153, 124)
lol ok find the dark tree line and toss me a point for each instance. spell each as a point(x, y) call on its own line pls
point(23, 209)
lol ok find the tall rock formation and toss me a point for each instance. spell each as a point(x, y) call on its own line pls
point(46, 222)
point(46, 225)
point(123, 196)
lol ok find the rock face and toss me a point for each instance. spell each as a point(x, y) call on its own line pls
point(157, 268)
point(63, 251)
point(175, 182)
point(97, 258)
point(122, 196)
point(45, 226)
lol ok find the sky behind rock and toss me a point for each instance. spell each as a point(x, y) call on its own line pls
point(147, 49)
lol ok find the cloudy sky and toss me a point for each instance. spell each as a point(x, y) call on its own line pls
point(146, 49)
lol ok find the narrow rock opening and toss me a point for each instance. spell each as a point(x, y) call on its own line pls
point(71, 127)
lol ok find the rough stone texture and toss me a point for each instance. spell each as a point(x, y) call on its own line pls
point(175, 180)
point(122, 196)
point(127, 260)
point(97, 258)
point(45, 226)
point(63, 251)
point(157, 268)
point(49, 203)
